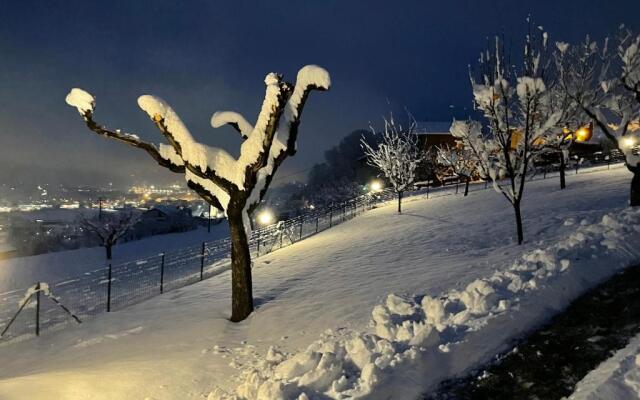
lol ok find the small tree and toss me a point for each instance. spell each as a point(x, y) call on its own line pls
point(605, 86)
point(110, 227)
point(397, 156)
point(460, 161)
point(233, 185)
point(516, 103)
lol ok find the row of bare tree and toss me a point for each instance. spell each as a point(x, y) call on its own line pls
point(530, 110)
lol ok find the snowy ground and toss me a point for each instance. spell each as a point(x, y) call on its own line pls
point(180, 345)
point(618, 378)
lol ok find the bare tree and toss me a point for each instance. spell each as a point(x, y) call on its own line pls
point(605, 86)
point(232, 185)
point(110, 227)
point(397, 156)
point(460, 161)
point(516, 103)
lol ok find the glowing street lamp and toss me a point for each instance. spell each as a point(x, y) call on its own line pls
point(628, 142)
point(375, 186)
point(266, 217)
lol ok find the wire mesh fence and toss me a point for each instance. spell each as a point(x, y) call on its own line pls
point(116, 286)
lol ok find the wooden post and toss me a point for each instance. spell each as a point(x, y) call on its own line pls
point(545, 173)
point(281, 233)
point(202, 263)
point(162, 274)
point(317, 220)
point(330, 218)
point(38, 309)
point(456, 187)
point(258, 250)
point(109, 289)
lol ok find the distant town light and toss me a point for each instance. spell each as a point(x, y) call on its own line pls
point(266, 217)
point(375, 186)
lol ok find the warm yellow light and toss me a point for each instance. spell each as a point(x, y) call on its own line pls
point(628, 142)
point(266, 217)
point(376, 186)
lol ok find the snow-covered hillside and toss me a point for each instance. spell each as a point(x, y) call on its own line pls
point(181, 345)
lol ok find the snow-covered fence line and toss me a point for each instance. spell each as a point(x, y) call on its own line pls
point(116, 286)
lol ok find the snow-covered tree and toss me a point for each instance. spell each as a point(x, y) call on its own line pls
point(233, 185)
point(110, 227)
point(516, 104)
point(397, 156)
point(605, 86)
point(458, 160)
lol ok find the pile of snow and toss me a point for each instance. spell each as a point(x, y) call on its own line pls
point(617, 378)
point(415, 343)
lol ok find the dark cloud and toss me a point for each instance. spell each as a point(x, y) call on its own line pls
point(203, 56)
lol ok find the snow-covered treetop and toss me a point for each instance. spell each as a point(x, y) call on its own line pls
point(81, 100)
point(212, 172)
point(605, 86)
point(397, 155)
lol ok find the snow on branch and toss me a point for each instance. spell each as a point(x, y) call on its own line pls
point(234, 119)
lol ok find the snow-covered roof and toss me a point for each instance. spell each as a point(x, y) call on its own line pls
point(432, 127)
point(167, 210)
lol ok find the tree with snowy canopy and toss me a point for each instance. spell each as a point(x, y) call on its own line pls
point(397, 156)
point(232, 185)
point(518, 108)
point(457, 160)
point(109, 227)
point(605, 86)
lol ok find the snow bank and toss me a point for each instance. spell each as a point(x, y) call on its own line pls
point(618, 378)
point(416, 342)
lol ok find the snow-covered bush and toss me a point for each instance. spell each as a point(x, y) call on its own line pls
point(397, 156)
point(233, 185)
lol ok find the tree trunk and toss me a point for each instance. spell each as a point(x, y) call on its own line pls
point(466, 187)
point(634, 198)
point(563, 166)
point(241, 286)
point(108, 248)
point(399, 202)
point(516, 208)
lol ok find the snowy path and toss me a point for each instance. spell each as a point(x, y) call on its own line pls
point(164, 348)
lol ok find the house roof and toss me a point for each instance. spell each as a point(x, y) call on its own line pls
point(432, 127)
point(167, 210)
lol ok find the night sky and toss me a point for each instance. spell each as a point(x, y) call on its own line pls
point(203, 56)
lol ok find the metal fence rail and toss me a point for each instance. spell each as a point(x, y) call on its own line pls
point(114, 287)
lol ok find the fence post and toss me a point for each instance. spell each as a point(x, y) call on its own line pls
point(609, 162)
point(330, 218)
point(281, 232)
point(544, 176)
point(301, 225)
point(317, 220)
point(109, 289)
point(428, 188)
point(344, 211)
point(486, 184)
point(38, 309)
point(258, 250)
point(202, 263)
point(162, 274)
point(456, 187)
point(577, 166)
